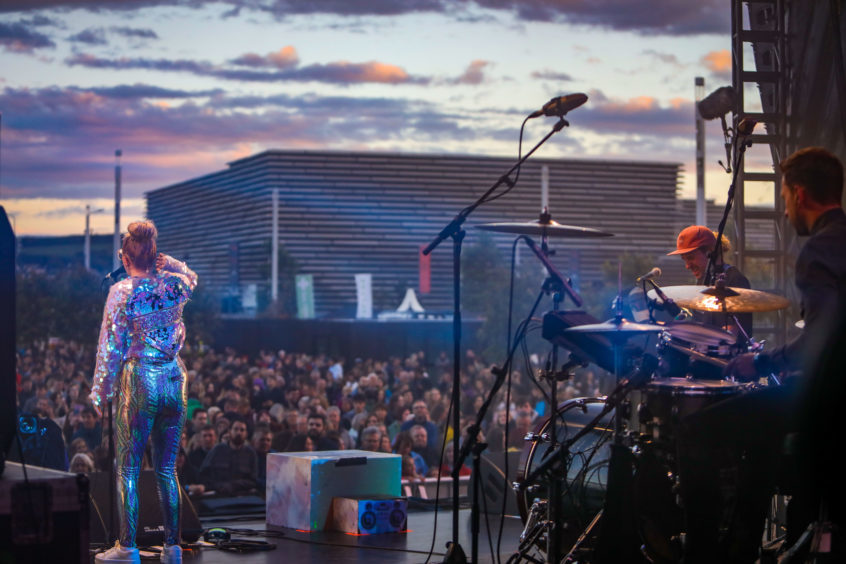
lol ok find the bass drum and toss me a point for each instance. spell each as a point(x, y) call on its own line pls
point(586, 473)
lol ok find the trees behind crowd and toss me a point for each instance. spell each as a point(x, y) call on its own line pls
point(68, 304)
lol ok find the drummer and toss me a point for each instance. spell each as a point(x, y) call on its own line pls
point(749, 430)
point(695, 244)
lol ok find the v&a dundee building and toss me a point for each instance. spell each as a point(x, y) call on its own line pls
point(346, 213)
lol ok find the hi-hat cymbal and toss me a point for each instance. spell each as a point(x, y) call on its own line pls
point(549, 228)
point(739, 300)
point(616, 330)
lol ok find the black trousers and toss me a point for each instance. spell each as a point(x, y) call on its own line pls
point(729, 458)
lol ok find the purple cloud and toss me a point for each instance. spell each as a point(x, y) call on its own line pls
point(336, 73)
point(127, 91)
point(90, 36)
point(60, 141)
point(284, 58)
point(548, 74)
point(18, 38)
point(640, 115)
point(666, 17)
point(135, 32)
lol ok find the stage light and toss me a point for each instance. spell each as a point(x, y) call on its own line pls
point(717, 104)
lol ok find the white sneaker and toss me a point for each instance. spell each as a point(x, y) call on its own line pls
point(172, 554)
point(119, 553)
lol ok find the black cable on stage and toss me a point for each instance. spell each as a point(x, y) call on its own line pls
point(282, 536)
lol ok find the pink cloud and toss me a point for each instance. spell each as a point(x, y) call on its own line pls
point(284, 58)
point(474, 74)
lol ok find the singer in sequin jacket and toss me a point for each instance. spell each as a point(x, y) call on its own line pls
point(138, 363)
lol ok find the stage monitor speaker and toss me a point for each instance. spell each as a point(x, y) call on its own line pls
point(43, 516)
point(493, 483)
point(8, 391)
point(150, 528)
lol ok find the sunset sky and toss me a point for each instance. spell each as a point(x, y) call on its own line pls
point(183, 87)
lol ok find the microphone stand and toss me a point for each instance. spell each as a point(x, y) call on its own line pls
point(741, 143)
point(454, 230)
point(111, 535)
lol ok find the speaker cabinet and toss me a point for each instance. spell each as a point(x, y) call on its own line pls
point(150, 528)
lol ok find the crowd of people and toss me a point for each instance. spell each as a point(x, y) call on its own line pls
point(240, 408)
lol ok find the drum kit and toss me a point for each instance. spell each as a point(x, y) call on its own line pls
point(597, 481)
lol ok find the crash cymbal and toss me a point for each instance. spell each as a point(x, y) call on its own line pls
point(737, 300)
point(541, 228)
point(616, 329)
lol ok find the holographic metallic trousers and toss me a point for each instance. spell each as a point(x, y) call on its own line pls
point(151, 403)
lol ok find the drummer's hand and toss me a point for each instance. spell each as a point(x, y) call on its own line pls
point(742, 367)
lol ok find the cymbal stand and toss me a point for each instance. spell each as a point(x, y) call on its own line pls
point(554, 283)
point(551, 375)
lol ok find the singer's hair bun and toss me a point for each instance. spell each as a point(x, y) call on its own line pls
point(143, 231)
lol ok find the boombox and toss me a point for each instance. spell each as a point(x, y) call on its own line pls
point(369, 514)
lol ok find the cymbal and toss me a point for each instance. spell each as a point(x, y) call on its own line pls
point(540, 228)
point(737, 300)
point(615, 329)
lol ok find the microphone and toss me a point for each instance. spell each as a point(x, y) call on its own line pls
point(669, 305)
point(746, 126)
point(559, 106)
point(654, 273)
point(114, 274)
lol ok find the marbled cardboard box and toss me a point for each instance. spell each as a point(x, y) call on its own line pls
point(301, 485)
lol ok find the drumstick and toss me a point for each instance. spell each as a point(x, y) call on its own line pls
point(698, 355)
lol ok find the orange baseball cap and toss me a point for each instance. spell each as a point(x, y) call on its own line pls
point(692, 238)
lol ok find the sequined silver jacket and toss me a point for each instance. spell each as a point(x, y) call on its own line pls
point(142, 320)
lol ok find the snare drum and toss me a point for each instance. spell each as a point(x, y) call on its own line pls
point(666, 401)
point(694, 349)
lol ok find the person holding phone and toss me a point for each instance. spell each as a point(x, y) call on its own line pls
point(138, 363)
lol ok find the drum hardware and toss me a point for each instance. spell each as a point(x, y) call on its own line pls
point(583, 537)
point(535, 517)
point(584, 476)
point(576, 471)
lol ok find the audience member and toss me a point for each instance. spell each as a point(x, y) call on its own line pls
point(81, 463)
point(371, 439)
point(420, 412)
point(231, 468)
point(262, 440)
point(90, 431)
point(207, 441)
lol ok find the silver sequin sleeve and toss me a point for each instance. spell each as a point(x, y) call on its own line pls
point(113, 342)
point(179, 268)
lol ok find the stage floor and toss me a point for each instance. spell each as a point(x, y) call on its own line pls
point(335, 548)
